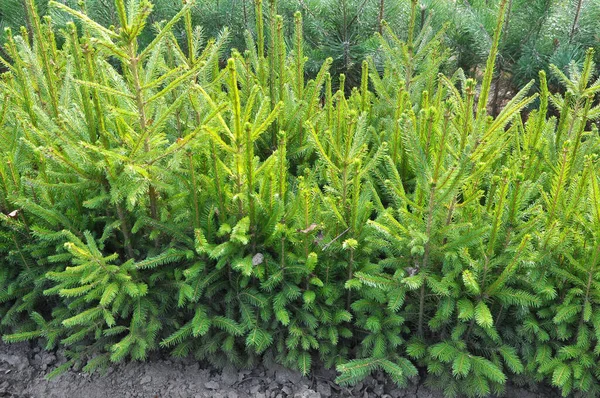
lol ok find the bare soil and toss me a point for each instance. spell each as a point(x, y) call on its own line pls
point(23, 368)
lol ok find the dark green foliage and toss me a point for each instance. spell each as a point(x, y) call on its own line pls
point(152, 197)
point(536, 33)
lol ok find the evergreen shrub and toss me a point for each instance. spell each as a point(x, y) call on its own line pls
point(153, 198)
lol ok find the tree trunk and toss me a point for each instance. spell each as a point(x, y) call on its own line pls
point(380, 16)
point(28, 24)
point(507, 21)
point(576, 19)
point(496, 93)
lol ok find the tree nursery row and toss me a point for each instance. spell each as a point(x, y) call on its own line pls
point(175, 195)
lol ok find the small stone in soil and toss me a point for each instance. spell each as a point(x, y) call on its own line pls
point(357, 387)
point(242, 375)
point(324, 389)
point(229, 377)
point(283, 375)
point(212, 385)
point(48, 359)
point(307, 394)
point(396, 393)
point(378, 389)
point(255, 389)
point(145, 380)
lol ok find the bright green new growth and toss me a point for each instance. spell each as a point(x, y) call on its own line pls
point(154, 198)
